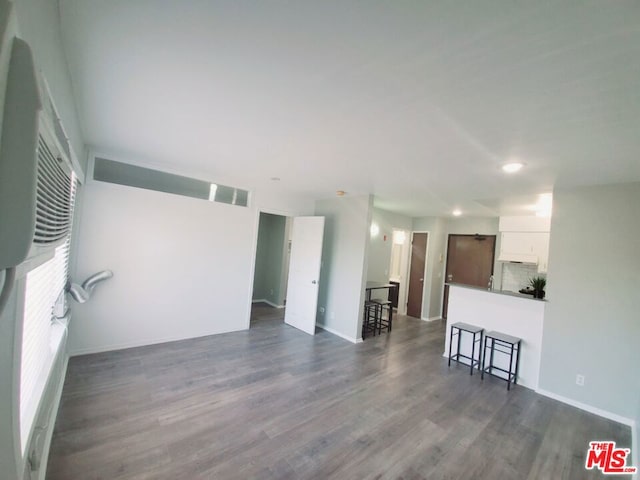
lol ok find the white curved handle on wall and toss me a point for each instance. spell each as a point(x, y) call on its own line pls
point(82, 293)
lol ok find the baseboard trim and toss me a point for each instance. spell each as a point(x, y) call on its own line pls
point(263, 300)
point(273, 304)
point(338, 334)
point(143, 343)
point(588, 408)
point(430, 319)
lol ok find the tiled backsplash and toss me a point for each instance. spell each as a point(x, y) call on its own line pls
point(516, 275)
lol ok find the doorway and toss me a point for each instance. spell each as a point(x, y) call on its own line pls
point(272, 267)
point(417, 271)
point(398, 269)
point(469, 262)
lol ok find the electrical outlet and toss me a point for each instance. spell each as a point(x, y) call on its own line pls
point(580, 380)
point(322, 310)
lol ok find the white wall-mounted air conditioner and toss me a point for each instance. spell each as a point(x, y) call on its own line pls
point(35, 173)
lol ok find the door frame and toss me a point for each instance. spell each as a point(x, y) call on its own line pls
point(252, 270)
point(424, 274)
point(446, 260)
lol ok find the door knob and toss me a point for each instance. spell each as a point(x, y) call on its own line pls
point(314, 282)
point(422, 279)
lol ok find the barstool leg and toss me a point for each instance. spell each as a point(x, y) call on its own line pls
point(473, 353)
point(480, 352)
point(515, 379)
point(493, 346)
point(484, 357)
point(375, 319)
point(510, 367)
point(450, 343)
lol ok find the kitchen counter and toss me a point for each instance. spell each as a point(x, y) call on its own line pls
point(514, 314)
point(499, 292)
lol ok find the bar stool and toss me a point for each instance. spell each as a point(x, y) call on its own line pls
point(503, 343)
point(473, 330)
point(384, 323)
point(372, 312)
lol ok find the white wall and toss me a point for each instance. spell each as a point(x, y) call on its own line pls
point(379, 255)
point(472, 225)
point(344, 267)
point(592, 325)
point(183, 267)
point(262, 252)
point(380, 248)
point(38, 21)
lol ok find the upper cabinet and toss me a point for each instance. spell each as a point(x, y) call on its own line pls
point(526, 240)
point(525, 247)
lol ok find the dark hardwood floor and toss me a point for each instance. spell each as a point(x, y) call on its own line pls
point(275, 403)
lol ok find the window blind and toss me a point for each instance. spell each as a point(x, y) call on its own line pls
point(44, 288)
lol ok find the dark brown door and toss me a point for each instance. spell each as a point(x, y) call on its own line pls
point(416, 274)
point(469, 262)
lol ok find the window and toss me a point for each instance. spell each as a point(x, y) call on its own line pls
point(41, 335)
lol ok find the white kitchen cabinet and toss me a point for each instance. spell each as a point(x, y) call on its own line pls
point(541, 249)
point(525, 239)
point(526, 247)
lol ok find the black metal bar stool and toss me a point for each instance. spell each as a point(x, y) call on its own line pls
point(503, 343)
point(384, 323)
point(372, 313)
point(475, 331)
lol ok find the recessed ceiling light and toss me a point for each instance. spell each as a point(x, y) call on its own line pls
point(457, 212)
point(340, 193)
point(512, 167)
point(275, 179)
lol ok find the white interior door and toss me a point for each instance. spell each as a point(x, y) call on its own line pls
point(304, 273)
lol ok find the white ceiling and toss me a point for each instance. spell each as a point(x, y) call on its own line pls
point(418, 103)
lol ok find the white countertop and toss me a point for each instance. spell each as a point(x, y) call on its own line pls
point(499, 292)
